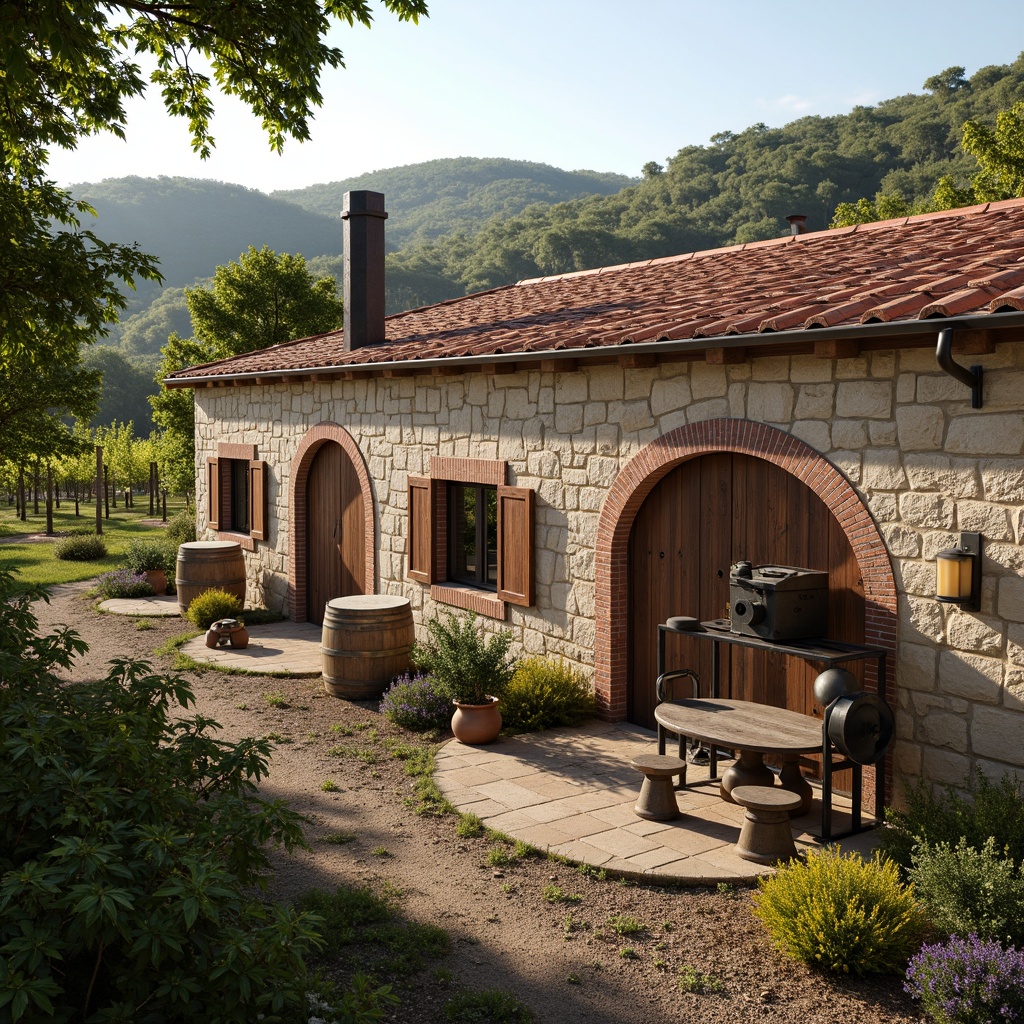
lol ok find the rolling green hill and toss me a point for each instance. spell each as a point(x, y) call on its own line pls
point(440, 197)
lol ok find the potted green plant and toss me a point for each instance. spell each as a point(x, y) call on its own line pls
point(470, 669)
point(149, 559)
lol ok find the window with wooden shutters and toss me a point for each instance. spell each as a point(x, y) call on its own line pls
point(472, 537)
point(237, 504)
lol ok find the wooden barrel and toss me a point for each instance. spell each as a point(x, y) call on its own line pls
point(366, 643)
point(209, 565)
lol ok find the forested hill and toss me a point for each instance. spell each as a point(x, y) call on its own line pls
point(464, 224)
point(440, 197)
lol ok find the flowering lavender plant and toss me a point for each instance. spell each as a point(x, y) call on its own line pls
point(968, 981)
point(414, 703)
point(124, 583)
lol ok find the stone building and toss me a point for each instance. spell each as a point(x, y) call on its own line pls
point(580, 457)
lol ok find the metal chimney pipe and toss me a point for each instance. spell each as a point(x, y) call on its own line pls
point(797, 223)
point(363, 285)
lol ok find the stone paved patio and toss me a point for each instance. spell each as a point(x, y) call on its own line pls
point(571, 792)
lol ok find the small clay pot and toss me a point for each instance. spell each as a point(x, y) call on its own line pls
point(157, 579)
point(476, 724)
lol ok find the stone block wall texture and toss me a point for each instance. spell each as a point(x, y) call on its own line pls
point(902, 432)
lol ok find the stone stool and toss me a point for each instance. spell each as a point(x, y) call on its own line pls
point(657, 801)
point(766, 837)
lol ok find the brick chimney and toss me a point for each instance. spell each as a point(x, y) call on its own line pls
point(797, 223)
point(363, 287)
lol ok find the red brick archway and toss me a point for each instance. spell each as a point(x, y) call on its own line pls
point(653, 462)
point(315, 437)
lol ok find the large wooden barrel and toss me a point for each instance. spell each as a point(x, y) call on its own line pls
point(366, 643)
point(209, 565)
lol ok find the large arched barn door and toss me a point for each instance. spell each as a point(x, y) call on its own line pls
point(335, 530)
point(701, 517)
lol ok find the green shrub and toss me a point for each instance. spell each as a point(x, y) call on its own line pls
point(842, 913)
point(80, 547)
point(465, 665)
point(211, 605)
point(181, 528)
point(492, 1006)
point(544, 693)
point(966, 890)
point(145, 556)
point(993, 809)
point(122, 896)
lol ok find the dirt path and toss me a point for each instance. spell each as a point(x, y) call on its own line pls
point(562, 959)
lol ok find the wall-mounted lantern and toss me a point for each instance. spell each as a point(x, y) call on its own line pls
point(958, 573)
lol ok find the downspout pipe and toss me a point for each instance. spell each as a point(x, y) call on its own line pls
point(971, 377)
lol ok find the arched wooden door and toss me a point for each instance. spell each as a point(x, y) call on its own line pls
point(335, 530)
point(704, 515)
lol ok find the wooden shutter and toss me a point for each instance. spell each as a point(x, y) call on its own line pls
point(421, 529)
point(515, 545)
point(213, 493)
point(258, 526)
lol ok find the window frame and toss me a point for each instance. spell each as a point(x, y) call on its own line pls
point(223, 483)
point(430, 540)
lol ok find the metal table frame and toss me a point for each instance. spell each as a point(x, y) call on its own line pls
point(828, 653)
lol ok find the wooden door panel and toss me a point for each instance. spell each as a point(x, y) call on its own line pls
point(717, 509)
point(335, 528)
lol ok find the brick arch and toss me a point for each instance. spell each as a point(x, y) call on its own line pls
point(639, 477)
point(312, 441)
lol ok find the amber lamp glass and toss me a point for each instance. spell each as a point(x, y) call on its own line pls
point(953, 575)
point(957, 573)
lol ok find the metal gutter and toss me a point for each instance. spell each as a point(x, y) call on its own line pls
point(766, 339)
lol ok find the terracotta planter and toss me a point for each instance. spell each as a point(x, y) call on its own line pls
point(227, 632)
point(476, 724)
point(157, 579)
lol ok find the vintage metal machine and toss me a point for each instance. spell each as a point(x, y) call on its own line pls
point(778, 602)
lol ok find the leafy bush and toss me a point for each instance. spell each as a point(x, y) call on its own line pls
point(492, 1006)
point(842, 913)
point(181, 528)
point(123, 896)
point(211, 605)
point(544, 693)
point(79, 547)
point(966, 890)
point(144, 555)
point(968, 981)
point(993, 809)
point(124, 583)
point(414, 703)
point(465, 666)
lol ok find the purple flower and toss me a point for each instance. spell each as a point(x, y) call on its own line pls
point(413, 703)
point(968, 981)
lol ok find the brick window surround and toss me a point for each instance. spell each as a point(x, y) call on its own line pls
point(219, 494)
point(428, 536)
point(314, 438)
point(638, 478)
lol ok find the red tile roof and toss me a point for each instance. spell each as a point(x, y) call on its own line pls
point(958, 263)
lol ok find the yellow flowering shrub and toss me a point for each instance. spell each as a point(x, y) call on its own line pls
point(842, 914)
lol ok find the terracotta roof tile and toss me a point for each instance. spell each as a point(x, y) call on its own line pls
point(955, 263)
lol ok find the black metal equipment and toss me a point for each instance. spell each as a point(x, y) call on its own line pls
point(778, 602)
point(858, 726)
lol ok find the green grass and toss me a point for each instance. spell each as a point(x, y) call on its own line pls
point(35, 562)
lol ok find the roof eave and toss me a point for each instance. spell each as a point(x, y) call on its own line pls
point(767, 339)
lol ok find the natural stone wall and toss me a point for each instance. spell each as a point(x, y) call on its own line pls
point(902, 432)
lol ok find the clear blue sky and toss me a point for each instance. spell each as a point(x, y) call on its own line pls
point(575, 83)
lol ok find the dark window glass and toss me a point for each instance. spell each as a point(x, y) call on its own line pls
point(473, 534)
point(239, 495)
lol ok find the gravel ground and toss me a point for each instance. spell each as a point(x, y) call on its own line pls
point(564, 960)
